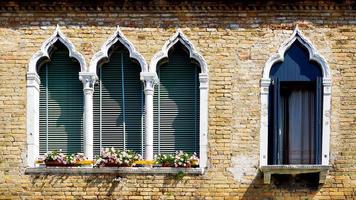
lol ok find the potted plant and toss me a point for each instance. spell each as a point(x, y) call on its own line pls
point(179, 159)
point(77, 159)
point(127, 158)
point(56, 158)
point(182, 159)
point(194, 160)
point(165, 160)
point(107, 158)
point(111, 157)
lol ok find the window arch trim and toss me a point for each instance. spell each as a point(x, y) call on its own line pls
point(326, 83)
point(178, 37)
point(47, 48)
point(102, 56)
point(313, 54)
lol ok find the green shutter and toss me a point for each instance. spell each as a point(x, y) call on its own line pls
point(118, 105)
point(61, 104)
point(176, 105)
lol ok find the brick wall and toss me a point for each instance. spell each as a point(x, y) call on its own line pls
point(236, 39)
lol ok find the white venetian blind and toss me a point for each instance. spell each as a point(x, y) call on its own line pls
point(61, 104)
point(118, 104)
point(176, 104)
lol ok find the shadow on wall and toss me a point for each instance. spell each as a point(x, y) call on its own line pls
point(114, 186)
point(282, 185)
point(104, 185)
point(111, 186)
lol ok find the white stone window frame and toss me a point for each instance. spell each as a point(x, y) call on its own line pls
point(33, 89)
point(203, 87)
point(266, 81)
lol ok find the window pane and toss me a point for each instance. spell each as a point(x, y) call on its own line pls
point(118, 104)
point(298, 126)
point(61, 104)
point(176, 105)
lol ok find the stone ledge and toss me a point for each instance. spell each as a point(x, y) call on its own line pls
point(108, 170)
point(294, 169)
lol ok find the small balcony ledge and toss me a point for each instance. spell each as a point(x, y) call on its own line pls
point(87, 171)
point(293, 170)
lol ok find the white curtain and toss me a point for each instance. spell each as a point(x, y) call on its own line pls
point(300, 134)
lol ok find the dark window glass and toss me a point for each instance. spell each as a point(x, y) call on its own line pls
point(295, 110)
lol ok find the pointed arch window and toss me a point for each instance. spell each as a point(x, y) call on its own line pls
point(118, 100)
point(180, 103)
point(55, 98)
point(119, 103)
point(61, 103)
point(176, 103)
point(295, 111)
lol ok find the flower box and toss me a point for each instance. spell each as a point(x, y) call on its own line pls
point(56, 158)
point(55, 163)
point(179, 160)
point(167, 165)
point(111, 157)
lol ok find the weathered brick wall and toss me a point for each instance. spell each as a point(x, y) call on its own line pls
point(236, 40)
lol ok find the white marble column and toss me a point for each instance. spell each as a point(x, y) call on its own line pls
point(203, 126)
point(32, 118)
point(149, 79)
point(88, 80)
point(265, 83)
point(326, 121)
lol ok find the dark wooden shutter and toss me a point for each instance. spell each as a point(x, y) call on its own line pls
point(61, 104)
point(276, 121)
point(118, 105)
point(176, 106)
point(318, 119)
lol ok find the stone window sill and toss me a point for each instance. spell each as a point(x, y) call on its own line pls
point(293, 170)
point(73, 171)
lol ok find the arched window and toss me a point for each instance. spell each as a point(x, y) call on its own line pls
point(54, 98)
point(180, 100)
point(295, 111)
point(176, 103)
point(118, 107)
point(294, 135)
point(119, 103)
point(61, 103)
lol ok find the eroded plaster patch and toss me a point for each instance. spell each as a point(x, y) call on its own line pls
point(244, 168)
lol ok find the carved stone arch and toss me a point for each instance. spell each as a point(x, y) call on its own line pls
point(103, 55)
point(313, 54)
point(326, 102)
point(178, 37)
point(47, 47)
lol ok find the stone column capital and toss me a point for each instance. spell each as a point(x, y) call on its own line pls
point(88, 79)
point(204, 81)
point(149, 77)
point(33, 80)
